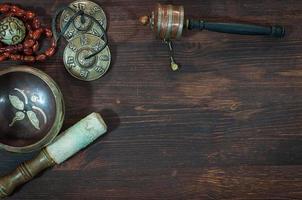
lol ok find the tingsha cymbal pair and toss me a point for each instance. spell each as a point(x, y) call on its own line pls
point(83, 24)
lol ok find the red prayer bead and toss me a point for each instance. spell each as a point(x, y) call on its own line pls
point(41, 57)
point(6, 54)
point(18, 11)
point(36, 47)
point(29, 59)
point(36, 23)
point(48, 32)
point(49, 52)
point(2, 49)
point(2, 58)
point(9, 48)
point(28, 51)
point(20, 47)
point(37, 34)
point(30, 15)
point(15, 57)
point(4, 8)
point(28, 43)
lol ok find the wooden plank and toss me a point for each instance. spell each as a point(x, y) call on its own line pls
point(227, 126)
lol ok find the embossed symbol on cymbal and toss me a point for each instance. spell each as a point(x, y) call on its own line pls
point(78, 61)
point(84, 24)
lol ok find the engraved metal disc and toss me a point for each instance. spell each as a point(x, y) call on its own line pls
point(75, 55)
point(78, 26)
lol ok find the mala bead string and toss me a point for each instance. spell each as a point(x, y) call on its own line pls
point(27, 51)
point(58, 35)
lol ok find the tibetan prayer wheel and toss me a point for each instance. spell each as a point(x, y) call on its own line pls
point(168, 22)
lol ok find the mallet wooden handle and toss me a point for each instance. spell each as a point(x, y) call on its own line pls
point(235, 28)
point(24, 173)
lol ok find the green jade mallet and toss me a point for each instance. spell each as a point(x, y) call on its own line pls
point(65, 146)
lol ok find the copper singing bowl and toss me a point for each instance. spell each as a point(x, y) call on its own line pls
point(31, 109)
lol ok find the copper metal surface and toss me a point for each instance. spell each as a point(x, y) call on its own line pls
point(166, 21)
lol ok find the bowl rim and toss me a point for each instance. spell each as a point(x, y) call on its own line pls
point(60, 109)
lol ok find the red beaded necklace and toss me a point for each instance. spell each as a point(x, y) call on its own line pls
point(27, 50)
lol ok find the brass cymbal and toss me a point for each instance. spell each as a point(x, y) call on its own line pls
point(31, 109)
point(76, 53)
point(78, 26)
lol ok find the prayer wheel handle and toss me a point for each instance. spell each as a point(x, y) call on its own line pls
point(234, 28)
point(168, 22)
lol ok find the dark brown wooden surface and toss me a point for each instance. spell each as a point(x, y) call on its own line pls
point(227, 126)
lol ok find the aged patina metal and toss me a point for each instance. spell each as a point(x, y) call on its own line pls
point(83, 24)
point(12, 31)
point(31, 109)
point(76, 59)
point(65, 146)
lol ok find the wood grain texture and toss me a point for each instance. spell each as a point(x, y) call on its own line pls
point(227, 126)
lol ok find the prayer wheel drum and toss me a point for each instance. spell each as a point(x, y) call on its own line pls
point(167, 21)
